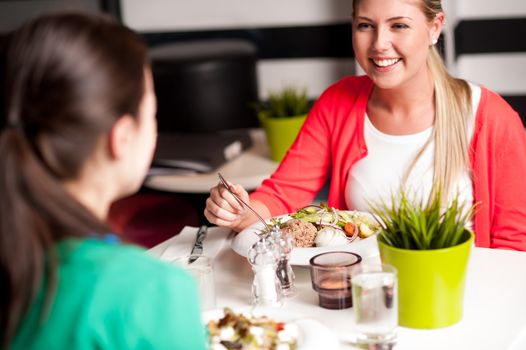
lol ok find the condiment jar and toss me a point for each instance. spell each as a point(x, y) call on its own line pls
point(264, 257)
point(285, 243)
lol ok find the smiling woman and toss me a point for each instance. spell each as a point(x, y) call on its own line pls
point(408, 124)
point(395, 46)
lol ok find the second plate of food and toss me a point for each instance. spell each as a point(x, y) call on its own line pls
point(266, 328)
point(318, 229)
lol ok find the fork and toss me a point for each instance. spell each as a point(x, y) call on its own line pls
point(243, 203)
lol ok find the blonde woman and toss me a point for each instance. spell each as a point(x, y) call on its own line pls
point(407, 121)
point(80, 133)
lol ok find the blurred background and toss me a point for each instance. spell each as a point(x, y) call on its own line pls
point(307, 42)
point(214, 59)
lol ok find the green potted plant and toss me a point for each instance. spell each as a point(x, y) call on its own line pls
point(282, 116)
point(429, 245)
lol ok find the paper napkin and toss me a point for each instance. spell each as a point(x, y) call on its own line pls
point(182, 244)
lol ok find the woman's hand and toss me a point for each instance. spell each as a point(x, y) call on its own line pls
point(222, 209)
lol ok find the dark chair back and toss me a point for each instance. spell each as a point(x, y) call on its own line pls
point(3, 47)
point(205, 86)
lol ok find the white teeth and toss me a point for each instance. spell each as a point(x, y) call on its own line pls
point(386, 63)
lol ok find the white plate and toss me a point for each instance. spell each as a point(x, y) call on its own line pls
point(300, 256)
point(312, 335)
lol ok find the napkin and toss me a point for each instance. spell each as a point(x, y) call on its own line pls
point(519, 343)
point(182, 244)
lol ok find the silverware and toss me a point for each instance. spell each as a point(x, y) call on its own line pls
point(242, 202)
point(198, 245)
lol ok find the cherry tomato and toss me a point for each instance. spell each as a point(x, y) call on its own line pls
point(349, 228)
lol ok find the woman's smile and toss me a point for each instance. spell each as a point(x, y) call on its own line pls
point(385, 64)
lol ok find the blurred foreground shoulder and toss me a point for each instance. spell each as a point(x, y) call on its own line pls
point(158, 301)
point(112, 296)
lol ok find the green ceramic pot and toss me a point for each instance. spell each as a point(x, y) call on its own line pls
point(281, 133)
point(430, 283)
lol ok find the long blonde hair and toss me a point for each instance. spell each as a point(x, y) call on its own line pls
point(452, 109)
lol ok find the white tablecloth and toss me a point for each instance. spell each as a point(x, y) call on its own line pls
point(494, 303)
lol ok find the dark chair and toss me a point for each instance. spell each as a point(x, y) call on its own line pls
point(3, 49)
point(148, 219)
point(205, 85)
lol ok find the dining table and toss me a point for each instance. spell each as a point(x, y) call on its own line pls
point(494, 309)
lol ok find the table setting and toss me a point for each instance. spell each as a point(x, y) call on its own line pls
point(492, 315)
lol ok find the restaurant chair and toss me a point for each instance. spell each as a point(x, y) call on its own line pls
point(205, 85)
point(147, 219)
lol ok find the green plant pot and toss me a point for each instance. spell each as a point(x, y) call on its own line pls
point(430, 283)
point(281, 133)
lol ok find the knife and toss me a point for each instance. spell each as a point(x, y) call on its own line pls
point(198, 245)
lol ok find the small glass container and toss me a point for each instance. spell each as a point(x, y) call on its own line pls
point(202, 270)
point(285, 243)
point(264, 258)
point(331, 278)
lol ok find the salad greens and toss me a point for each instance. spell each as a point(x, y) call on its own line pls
point(237, 331)
point(323, 215)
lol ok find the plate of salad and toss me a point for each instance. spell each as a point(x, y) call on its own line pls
point(317, 229)
point(265, 329)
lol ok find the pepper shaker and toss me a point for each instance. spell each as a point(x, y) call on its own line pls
point(284, 271)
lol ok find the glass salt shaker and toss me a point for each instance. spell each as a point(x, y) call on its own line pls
point(266, 287)
point(284, 271)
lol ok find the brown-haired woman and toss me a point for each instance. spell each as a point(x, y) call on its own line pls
point(80, 133)
point(408, 123)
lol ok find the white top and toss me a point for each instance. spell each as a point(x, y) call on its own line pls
point(379, 175)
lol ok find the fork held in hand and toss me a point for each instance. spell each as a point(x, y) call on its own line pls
point(242, 202)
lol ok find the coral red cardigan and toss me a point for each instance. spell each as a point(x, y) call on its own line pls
point(332, 140)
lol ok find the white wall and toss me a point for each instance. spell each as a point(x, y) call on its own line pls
point(501, 72)
point(315, 74)
point(159, 15)
point(490, 8)
point(505, 72)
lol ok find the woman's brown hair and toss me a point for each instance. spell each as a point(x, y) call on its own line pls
point(69, 77)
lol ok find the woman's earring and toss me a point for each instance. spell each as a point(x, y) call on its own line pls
point(435, 41)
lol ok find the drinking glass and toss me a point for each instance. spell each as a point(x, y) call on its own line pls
point(201, 269)
point(331, 278)
point(375, 299)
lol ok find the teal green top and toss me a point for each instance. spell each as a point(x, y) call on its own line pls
point(112, 296)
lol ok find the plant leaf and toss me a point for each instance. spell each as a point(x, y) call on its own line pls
point(420, 225)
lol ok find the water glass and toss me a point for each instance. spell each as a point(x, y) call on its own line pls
point(200, 266)
point(375, 299)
